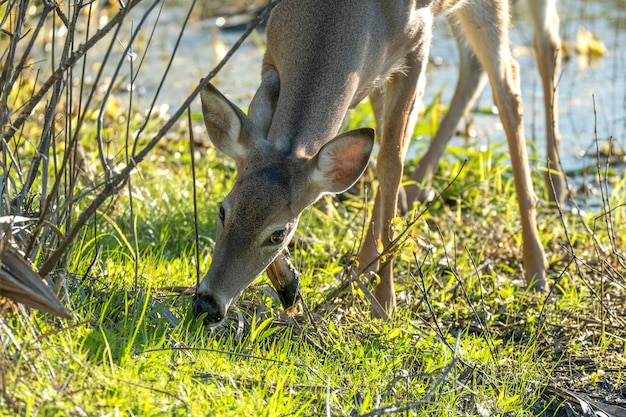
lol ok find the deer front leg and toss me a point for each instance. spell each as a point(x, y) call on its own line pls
point(368, 256)
point(399, 116)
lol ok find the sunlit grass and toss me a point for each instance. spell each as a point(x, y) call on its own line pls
point(467, 336)
point(467, 339)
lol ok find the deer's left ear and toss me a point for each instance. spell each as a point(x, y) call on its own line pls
point(230, 130)
point(340, 162)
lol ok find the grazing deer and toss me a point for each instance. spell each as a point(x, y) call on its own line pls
point(323, 58)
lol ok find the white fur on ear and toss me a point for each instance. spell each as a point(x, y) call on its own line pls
point(340, 162)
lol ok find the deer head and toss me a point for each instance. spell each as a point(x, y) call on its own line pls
point(259, 216)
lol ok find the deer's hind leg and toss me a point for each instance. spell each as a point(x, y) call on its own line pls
point(470, 84)
point(485, 23)
point(547, 43)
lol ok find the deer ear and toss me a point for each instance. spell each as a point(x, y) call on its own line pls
point(340, 162)
point(263, 105)
point(228, 127)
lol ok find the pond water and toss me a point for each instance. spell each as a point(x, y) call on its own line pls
point(583, 79)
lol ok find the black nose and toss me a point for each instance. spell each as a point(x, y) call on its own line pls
point(203, 303)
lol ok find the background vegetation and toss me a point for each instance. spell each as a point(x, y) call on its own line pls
point(112, 217)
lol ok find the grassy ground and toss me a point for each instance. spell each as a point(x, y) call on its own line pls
point(467, 338)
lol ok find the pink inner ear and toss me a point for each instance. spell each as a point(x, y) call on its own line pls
point(346, 160)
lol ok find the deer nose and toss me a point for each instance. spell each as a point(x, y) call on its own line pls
point(205, 303)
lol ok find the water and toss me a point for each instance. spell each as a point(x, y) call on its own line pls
point(583, 80)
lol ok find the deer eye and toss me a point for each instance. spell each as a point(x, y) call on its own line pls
point(222, 214)
point(277, 237)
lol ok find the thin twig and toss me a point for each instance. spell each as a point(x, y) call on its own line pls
point(127, 53)
point(165, 72)
point(398, 408)
point(27, 109)
point(114, 184)
point(192, 151)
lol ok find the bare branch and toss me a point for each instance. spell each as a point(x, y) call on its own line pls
point(114, 184)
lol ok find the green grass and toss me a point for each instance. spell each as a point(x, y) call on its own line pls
point(467, 339)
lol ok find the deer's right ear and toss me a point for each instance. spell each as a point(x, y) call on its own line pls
point(226, 124)
point(341, 162)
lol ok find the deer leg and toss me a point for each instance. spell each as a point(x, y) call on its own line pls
point(399, 116)
point(547, 44)
point(377, 100)
point(485, 25)
point(369, 249)
point(470, 84)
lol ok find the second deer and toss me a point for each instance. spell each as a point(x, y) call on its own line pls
point(323, 58)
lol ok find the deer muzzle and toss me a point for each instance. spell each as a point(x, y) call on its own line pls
point(214, 309)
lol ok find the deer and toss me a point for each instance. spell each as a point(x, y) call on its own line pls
point(323, 58)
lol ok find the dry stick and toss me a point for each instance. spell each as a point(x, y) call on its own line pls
point(55, 5)
point(606, 208)
point(4, 19)
point(544, 304)
point(103, 60)
point(406, 407)
point(114, 184)
point(26, 52)
point(52, 80)
point(5, 86)
point(581, 261)
point(165, 72)
point(426, 299)
point(74, 139)
point(569, 243)
point(192, 151)
point(483, 324)
point(42, 156)
point(437, 327)
point(453, 270)
point(27, 109)
point(74, 161)
point(109, 90)
point(600, 250)
point(604, 185)
point(79, 106)
point(131, 199)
